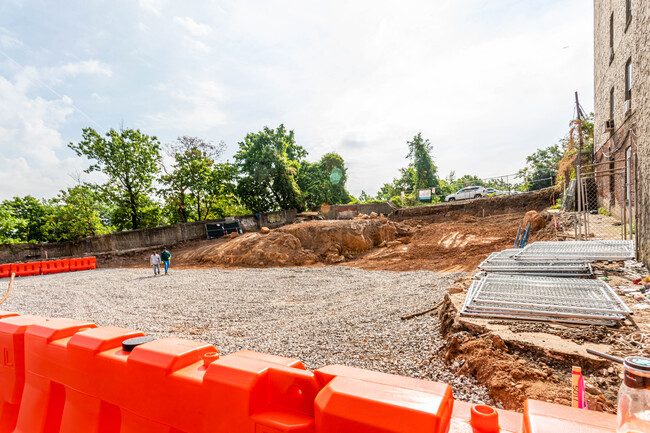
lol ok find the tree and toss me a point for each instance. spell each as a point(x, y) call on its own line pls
point(11, 227)
point(542, 168)
point(28, 218)
point(130, 160)
point(324, 181)
point(191, 180)
point(425, 171)
point(365, 198)
point(269, 162)
point(77, 213)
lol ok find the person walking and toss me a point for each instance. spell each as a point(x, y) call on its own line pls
point(165, 256)
point(154, 260)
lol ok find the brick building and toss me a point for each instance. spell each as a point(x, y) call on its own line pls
point(622, 110)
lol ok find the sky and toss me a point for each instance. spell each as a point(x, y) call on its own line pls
point(486, 81)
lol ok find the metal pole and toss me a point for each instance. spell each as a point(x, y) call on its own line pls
point(578, 169)
point(636, 206)
point(623, 222)
point(628, 166)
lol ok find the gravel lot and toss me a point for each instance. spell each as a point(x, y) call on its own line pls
point(331, 315)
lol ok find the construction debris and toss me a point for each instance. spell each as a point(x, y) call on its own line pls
point(569, 300)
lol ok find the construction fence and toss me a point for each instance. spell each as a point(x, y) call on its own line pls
point(600, 203)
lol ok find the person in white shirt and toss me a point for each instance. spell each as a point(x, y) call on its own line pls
point(154, 260)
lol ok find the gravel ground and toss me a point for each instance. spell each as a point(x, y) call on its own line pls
point(332, 315)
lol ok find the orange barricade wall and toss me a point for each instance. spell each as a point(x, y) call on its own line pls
point(83, 264)
point(25, 269)
point(47, 267)
point(55, 266)
point(63, 375)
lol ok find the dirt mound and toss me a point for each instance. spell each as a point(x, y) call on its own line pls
point(303, 244)
point(252, 250)
point(458, 244)
point(537, 222)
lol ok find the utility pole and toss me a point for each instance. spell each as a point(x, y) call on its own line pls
point(579, 174)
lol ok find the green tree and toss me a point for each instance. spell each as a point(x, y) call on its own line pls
point(130, 160)
point(542, 168)
point(11, 227)
point(404, 183)
point(365, 198)
point(189, 185)
point(425, 170)
point(28, 219)
point(77, 213)
point(268, 163)
point(324, 181)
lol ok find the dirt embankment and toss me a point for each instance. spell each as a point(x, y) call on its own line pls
point(514, 372)
point(498, 205)
point(459, 243)
point(305, 244)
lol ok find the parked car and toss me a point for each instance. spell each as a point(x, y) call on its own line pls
point(493, 191)
point(467, 193)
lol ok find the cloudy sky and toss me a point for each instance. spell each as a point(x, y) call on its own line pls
point(486, 81)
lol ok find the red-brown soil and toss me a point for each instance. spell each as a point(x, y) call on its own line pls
point(455, 243)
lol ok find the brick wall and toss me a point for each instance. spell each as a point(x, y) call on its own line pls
point(631, 41)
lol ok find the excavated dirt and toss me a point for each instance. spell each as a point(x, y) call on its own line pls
point(459, 243)
point(514, 372)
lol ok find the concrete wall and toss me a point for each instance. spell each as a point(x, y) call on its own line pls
point(127, 240)
point(632, 133)
point(350, 211)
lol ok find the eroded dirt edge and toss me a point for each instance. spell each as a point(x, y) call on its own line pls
point(514, 371)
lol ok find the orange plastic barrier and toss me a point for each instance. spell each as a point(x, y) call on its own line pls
point(83, 264)
point(55, 266)
point(64, 376)
point(47, 267)
point(25, 269)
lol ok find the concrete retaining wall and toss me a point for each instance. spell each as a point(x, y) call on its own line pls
point(170, 235)
point(350, 211)
point(127, 240)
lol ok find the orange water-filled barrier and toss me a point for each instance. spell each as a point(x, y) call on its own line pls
point(83, 264)
point(55, 266)
point(47, 267)
point(63, 375)
point(25, 269)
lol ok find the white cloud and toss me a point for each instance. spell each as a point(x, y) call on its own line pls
point(29, 140)
point(197, 47)
point(153, 6)
point(197, 107)
point(8, 39)
point(30, 76)
point(196, 29)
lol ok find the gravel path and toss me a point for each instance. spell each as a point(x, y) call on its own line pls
point(332, 315)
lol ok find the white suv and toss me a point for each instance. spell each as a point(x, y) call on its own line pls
point(467, 193)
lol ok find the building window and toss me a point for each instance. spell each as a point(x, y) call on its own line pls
point(611, 37)
point(611, 104)
point(628, 80)
point(628, 13)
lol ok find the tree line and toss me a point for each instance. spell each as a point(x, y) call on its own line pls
point(143, 189)
point(269, 172)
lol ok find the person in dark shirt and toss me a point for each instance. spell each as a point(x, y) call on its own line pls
point(165, 256)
